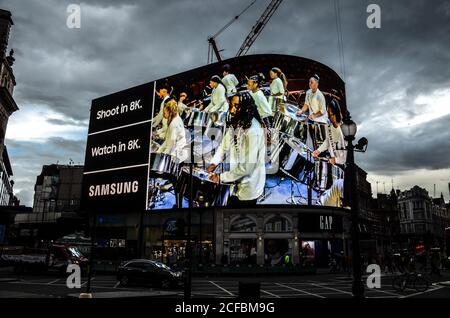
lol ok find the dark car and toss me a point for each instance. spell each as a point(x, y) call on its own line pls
point(148, 272)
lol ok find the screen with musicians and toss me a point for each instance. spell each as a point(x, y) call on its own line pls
point(249, 131)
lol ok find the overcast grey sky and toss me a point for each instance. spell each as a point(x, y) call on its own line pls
point(398, 77)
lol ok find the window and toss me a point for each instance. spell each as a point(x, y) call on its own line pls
point(138, 265)
point(420, 228)
point(419, 215)
point(278, 224)
point(243, 224)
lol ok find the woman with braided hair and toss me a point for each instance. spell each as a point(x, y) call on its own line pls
point(244, 145)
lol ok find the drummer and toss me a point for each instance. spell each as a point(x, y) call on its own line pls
point(334, 142)
point(229, 80)
point(175, 141)
point(174, 145)
point(219, 102)
point(264, 110)
point(315, 102)
point(182, 107)
point(244, 142)
point(163, 93)
point(278, 88)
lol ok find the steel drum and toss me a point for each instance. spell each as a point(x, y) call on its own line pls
point(326, 174)
point(287, 122)
point(318, 133)
point(163, 164)
point(294, 161)
point(154, 146)
point(198, 119)
point(205, 193)
point(277, 104)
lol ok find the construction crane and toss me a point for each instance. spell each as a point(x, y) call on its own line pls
point(258, 27)
point(212, 39)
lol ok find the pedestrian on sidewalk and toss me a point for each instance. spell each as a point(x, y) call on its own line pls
point(435, 264)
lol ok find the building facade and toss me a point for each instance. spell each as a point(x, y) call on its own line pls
point(422, 219)
point(8, 202)
point(441, 220)
point(7, 79)
point(56, 205)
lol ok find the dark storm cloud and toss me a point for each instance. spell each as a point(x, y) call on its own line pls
point(424, 148)
point(125, 43)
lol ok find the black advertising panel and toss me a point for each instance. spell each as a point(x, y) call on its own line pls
point(118, 147)
point(117, 151)
point(123, 108)
point(116, 190)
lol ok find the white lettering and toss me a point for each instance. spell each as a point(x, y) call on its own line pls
point(111, 189)
point(74, 279)
point(186, 308)
point(101, 114)
point(105, 150)
point(74, 18)
point(374, 19)
point(374, 279)
point(326, 222)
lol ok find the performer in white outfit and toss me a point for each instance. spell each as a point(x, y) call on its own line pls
point(182, 107)
point(175, 142)
point(315, 102)
point(278, 88)
point(219, 102)
point(333, 196)
point(163, 93)
point(229, 80)
point(264, 110)
point(335, 143)
point(244, 143)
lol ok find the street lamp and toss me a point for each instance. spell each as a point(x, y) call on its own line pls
point(349, 130)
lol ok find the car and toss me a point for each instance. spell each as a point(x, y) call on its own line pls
point(148, 272)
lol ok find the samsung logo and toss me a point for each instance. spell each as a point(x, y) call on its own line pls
point(110, 189)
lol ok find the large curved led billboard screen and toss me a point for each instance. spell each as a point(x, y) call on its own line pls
point(253, 130)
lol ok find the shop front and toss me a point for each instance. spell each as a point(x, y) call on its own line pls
point(267, 237)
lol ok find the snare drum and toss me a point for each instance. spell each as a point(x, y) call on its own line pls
point(286, 121)
point(163, 164)
point(205, 193)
